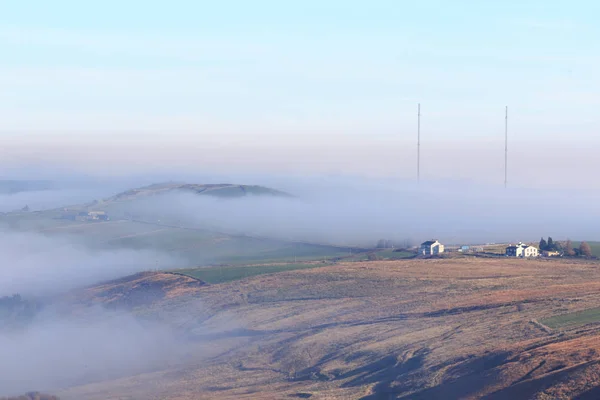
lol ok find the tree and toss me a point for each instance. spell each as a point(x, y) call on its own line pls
point(543, 244)
point(585, 249)
point(551, 246)
point(569, 248)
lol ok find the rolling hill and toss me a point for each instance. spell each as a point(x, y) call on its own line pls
point(225, 190)
point(18, 186)
point(418, 329)
point(187, 239)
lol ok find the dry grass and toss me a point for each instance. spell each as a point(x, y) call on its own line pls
point(142, 289)
point(32, 396)
point(444, 328)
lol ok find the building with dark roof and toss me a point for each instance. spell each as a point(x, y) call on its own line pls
point(521, 250)
point(431, 247)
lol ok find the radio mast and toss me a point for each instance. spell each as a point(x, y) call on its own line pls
point(419, 142)
point(505, 146)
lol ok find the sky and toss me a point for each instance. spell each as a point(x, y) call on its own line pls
point(303, 87)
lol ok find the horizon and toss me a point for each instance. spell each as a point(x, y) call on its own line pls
point(304, 88)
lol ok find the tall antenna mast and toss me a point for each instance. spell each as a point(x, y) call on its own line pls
point(419, 142)
point(505, 146)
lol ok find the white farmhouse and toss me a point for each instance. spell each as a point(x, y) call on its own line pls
point(521, 250)
point(431, 247)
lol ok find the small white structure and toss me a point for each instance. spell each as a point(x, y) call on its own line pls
point(521, 250)
point(95, 215)
point(431, 247)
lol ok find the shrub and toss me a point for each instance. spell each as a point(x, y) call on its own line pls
point(373, 257)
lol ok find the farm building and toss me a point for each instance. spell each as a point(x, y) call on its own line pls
point(551, 253)
point(521, 250)
point(431, 247)
point(464, 249)
point(95, 215)
point(86, 216)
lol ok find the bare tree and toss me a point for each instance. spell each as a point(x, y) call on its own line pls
point(585, 249)
point(569, 248)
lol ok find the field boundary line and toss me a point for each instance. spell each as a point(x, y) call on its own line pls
point(543, 327)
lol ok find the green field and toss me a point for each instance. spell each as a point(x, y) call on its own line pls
point(390, 254)
point(595, 246)
point(573, 319)
point(387, 254)
point(194, 246)
point(226, 274)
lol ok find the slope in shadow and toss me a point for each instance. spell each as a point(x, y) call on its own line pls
point(592, 394)
point(528, 389)
point(383, 372)
point(474, 376)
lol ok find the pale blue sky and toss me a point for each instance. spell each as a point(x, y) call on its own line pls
point(214, 69)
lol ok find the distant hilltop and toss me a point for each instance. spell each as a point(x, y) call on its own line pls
point(17, 186)
point(224, 190)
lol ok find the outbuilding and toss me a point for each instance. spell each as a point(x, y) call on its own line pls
point(431, 247)
point(521, 250)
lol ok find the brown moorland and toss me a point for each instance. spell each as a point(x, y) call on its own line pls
point(463, 328)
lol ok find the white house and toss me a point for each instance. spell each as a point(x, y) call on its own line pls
point(431, 247)
point(521, 250)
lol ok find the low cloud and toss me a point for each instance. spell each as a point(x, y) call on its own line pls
point(360, 213)
point(33, 264)
point(60, 351)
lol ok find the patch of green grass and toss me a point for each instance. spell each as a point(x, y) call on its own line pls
point(246, 251)
point(595, 246)
point(391, 254)
point(387, 254)
point(227, 274)
point(195, 246)
point(573, 319)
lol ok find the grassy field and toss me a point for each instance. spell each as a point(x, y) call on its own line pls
point(390, 254)
point(499, 249)
point(33, 221)
point(595, 246)
point(194, 246)
point(573, 319)
point(226, 274)
point(387, 254)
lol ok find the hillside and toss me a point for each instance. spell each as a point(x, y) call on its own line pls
point(142, 289)
point(224, 190)
point(135, 224)
point(417, 329)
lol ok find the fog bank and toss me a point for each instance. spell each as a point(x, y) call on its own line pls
point(33, 264)
point(58, 351)
point(360, 213)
